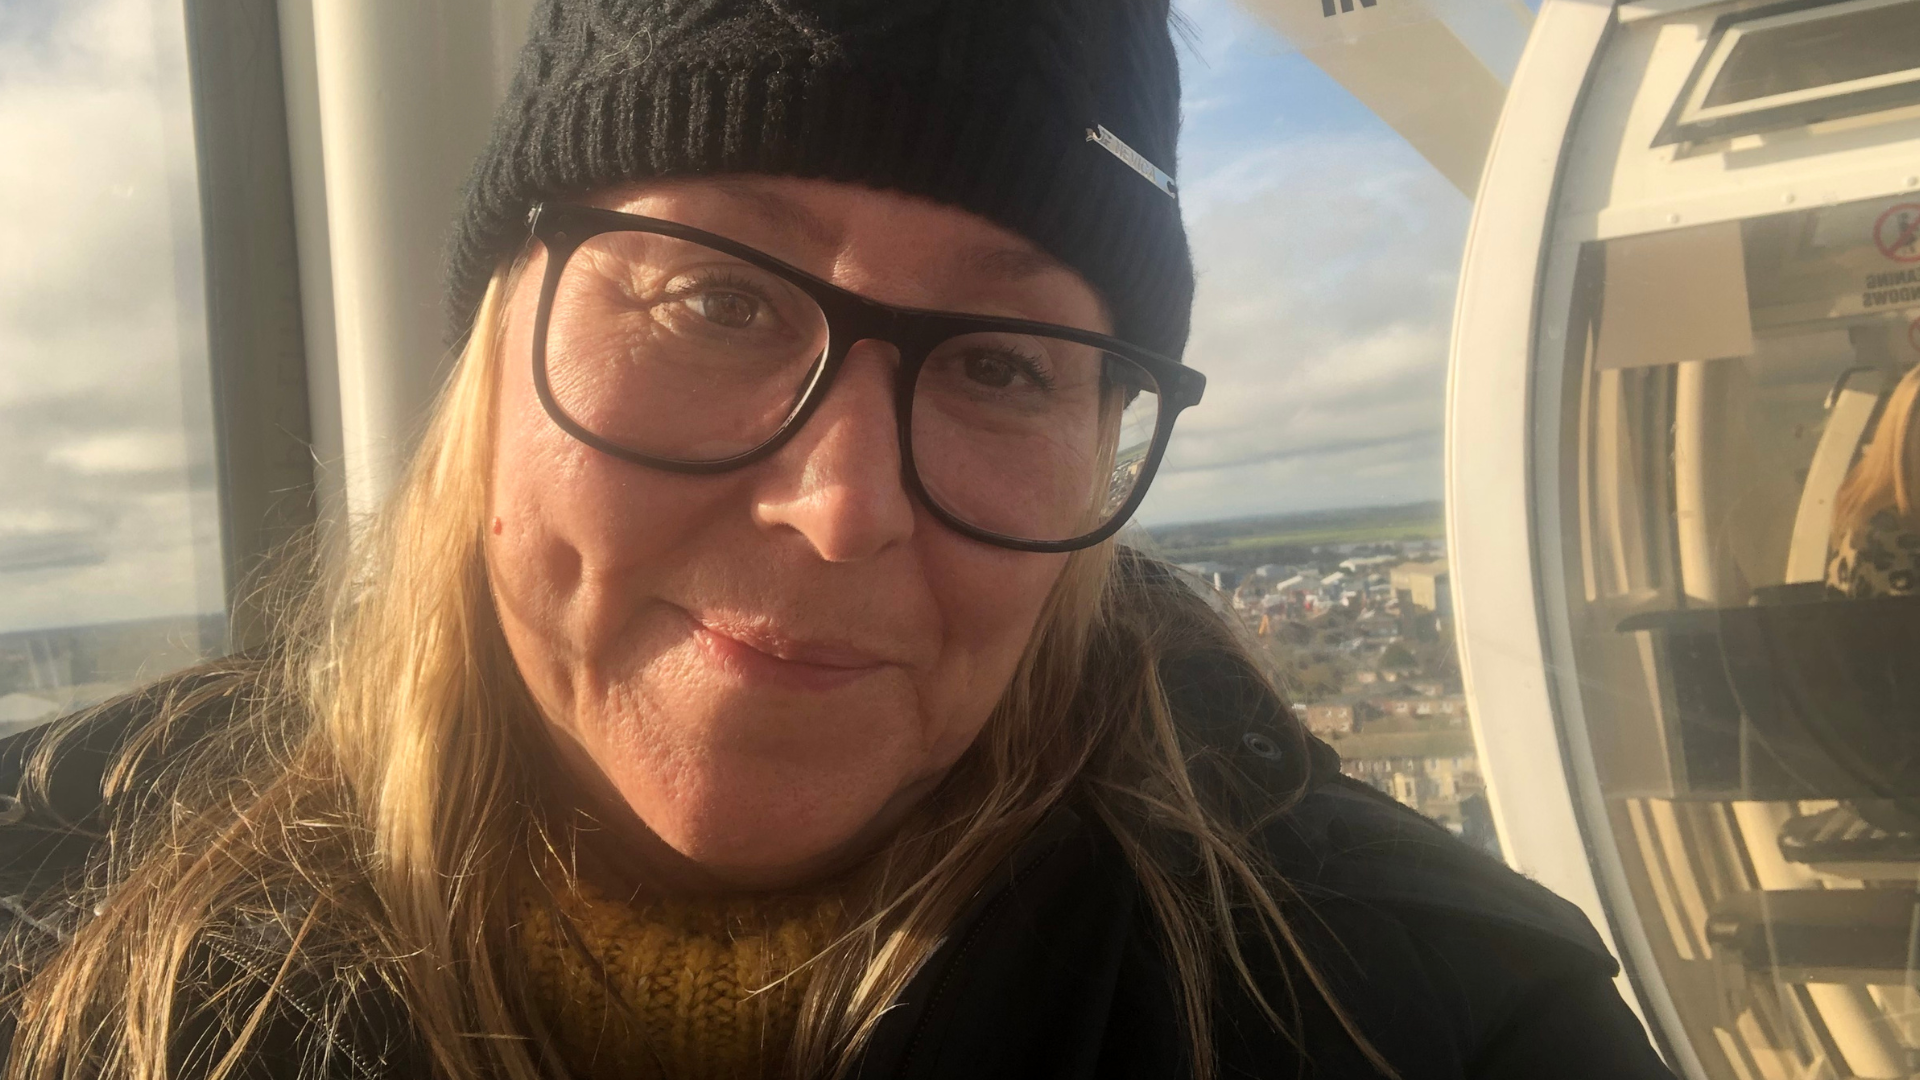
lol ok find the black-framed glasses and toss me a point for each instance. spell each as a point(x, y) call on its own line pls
point(671, 347)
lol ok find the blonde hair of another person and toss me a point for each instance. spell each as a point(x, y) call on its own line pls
point(377, 764)
point(1888, 471)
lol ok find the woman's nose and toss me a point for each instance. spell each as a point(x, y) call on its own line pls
point(838, 483)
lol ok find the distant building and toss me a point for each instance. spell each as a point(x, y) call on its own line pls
point(1405, 788)
point(1218, 575)
point(1327, 718)
point(1367, 562)
point(1424, 586)
point(1451, 708)
point(1379, 629)
point(1431, 771)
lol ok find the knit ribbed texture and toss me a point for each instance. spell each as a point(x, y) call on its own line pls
point(981, 104)
point(672, 990)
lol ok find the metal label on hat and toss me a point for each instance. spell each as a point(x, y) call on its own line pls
point(1099, 134)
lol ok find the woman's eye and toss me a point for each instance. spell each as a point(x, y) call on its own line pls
point(735, 311)
point(998, 371)
point(991, 371)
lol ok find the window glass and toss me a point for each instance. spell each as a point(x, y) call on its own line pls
point(1306, 488)
point(1819, 51)
point(1736, 475)
point(1747, 578)
point(109, 537)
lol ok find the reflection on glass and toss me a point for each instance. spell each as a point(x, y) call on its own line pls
point(1739, 455)
point(1875, 546)
point(109, 548)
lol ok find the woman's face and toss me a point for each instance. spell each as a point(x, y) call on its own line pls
point(769, 666)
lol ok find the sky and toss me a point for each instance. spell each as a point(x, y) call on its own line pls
point(1326, 251)
point(107, 507)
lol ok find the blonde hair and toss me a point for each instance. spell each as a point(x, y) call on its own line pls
point(1888, 471)
point(364, 786)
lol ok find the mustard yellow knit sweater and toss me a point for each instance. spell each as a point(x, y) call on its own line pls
point(673, 989)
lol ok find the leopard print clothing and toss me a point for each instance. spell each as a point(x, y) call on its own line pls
point(1881, 560)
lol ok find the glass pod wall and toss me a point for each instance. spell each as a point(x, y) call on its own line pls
point(1730, 526)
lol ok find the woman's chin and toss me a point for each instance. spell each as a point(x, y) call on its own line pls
point(751, 834)
point(749, 852)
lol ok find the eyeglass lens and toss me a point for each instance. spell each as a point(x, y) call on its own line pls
point(679, 352)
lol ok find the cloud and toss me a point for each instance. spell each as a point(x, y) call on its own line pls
point(1327, 252)
point(1327, 267)
point(154, 450)
point(54, 551)
point(106, 497)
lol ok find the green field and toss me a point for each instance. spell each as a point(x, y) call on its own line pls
point(1281, 537)
point(1374, 745)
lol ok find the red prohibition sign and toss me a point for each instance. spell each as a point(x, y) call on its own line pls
point(1896, 231)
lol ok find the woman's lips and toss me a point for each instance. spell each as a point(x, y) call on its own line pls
point(756, 655)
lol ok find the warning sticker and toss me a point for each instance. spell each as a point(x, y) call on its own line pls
point(1897, 232)
point(1890, 288)
point(1846, 261)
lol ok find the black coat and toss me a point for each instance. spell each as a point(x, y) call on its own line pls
point(1453, 965)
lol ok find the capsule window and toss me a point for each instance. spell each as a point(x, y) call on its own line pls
point(110, 539)
point(1792, 64)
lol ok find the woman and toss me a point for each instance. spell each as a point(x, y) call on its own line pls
point(1875, 549)
point(744, 681)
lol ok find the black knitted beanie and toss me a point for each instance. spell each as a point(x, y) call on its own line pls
point(987, 105)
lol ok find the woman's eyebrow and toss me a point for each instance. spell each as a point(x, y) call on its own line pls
point(792, 216)
point(780, 212)
point(1016, 263)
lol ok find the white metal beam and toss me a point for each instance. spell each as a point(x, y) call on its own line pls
point(388, 105)
point(1434, 70)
